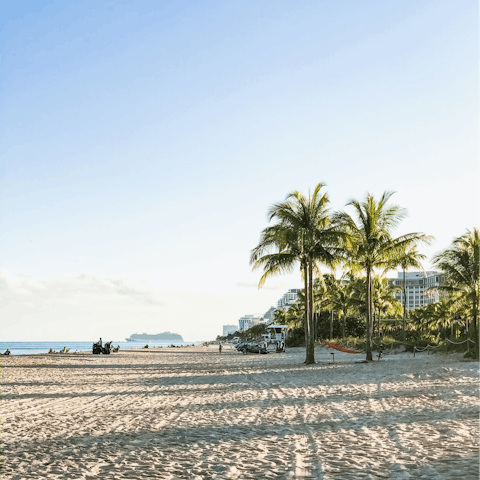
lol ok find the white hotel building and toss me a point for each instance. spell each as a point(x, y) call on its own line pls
point(248, 321)
point(288, 299)
point(416, 288)
point(227, 329)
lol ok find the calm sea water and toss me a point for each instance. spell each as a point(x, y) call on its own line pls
point(29, 348)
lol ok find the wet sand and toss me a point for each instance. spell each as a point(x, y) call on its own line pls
point(191, 413)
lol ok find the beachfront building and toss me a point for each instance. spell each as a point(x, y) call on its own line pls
point(228, 329)
point(248, 321)
point(417, 285)
point(288, 299)
point(269, 315)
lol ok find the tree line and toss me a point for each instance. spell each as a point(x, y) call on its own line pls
point(306, 235)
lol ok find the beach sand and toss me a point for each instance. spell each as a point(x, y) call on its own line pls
point(191, 413)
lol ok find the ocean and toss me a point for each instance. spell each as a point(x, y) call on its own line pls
point(29, 348)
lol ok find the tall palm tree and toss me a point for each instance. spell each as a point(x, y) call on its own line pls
point(460, 266)
point(343, 300)
point(370, 243)
point(304, 236)
point(410, 257)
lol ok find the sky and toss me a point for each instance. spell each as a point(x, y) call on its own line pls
point(142, 143)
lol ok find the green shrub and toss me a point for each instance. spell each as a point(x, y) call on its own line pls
point(296, 337)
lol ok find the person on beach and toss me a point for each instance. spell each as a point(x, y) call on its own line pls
point(7, 352)
point(219, 348)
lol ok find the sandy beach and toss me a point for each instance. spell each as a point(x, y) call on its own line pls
point(191, 413)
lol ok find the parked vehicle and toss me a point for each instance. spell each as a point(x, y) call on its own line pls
point(98, 348)
point(252, 347)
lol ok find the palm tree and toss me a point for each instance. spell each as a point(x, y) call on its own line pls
point(304, 236)
point(460, 266)
point(343, 300)
point(295, 315)
point(322, 301)
point(383, 297)
point(280, 316)
point(370, 243)
point(410, 257)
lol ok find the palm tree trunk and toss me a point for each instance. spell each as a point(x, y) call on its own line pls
point(344, 322)
point(378, 323)
point(369, 316)
point(473, 327)
point(311, 341)
point(404, 304)
point(305, 323)
point(331, 324)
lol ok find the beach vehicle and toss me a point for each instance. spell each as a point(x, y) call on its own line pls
point(252, 347)
point(98, 349)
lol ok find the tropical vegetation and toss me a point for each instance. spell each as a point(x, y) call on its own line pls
point(361, 245)
point(460, 266)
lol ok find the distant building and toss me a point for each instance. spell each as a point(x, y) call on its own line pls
point(288, 299)
point(248, 321)
point(416, 288)
point(228, 329)
point(269, 315)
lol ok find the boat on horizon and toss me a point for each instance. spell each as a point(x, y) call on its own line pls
point(158, 337)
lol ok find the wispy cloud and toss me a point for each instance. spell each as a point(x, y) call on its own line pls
point(71, 289)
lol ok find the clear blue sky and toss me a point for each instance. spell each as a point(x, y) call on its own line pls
point(142, 143)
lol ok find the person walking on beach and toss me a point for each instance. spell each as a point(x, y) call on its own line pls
point(219, 348)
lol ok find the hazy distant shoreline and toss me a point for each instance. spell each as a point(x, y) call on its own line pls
point(38, 348)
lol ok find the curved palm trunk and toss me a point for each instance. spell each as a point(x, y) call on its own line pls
point(311, 341)
point(369, 315)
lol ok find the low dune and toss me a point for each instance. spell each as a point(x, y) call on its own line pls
point(192, 413)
